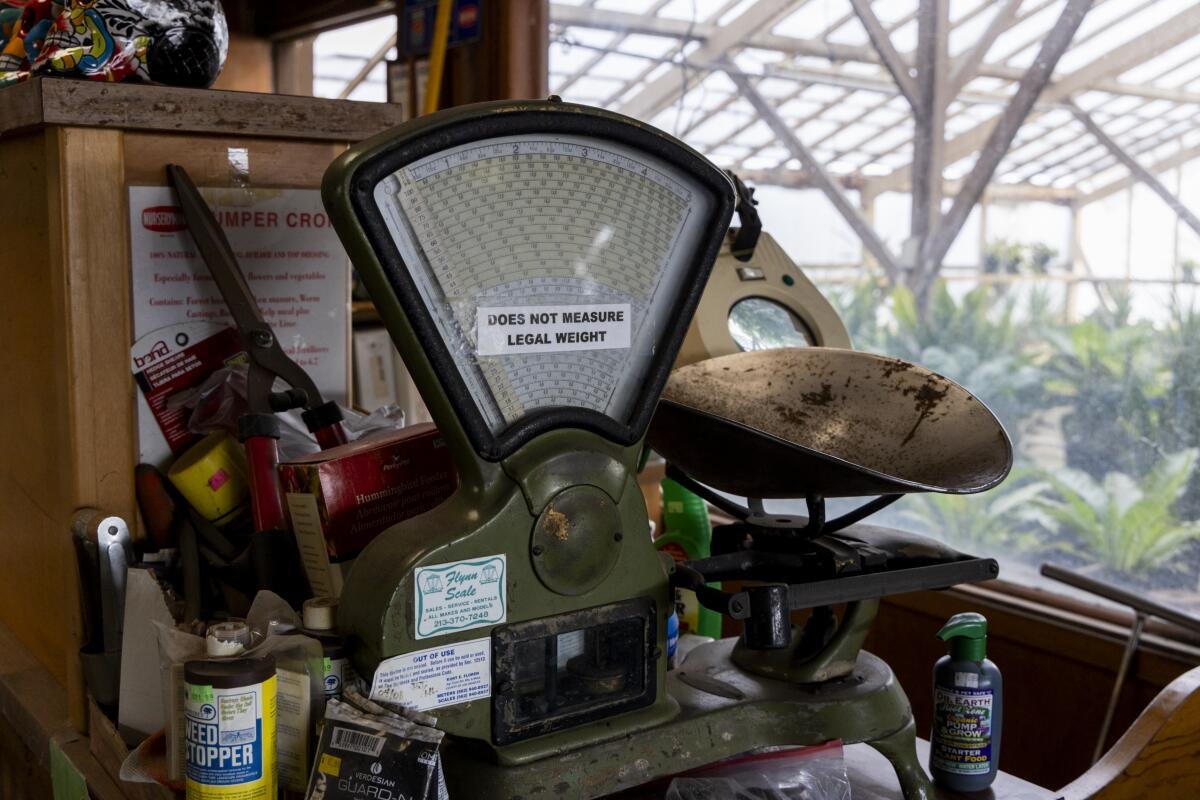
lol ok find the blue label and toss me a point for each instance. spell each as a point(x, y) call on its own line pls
point(419, 17)
point(227, 747)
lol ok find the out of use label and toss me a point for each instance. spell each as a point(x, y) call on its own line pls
point(460, 595)
point(962, 731)
point(439, 676)
point(511, 330)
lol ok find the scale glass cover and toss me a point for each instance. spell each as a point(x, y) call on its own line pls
point(549, 261)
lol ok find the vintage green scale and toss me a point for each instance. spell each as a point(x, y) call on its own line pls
point(537, 264)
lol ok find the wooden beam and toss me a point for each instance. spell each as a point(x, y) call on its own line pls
point(929, 120)
point(603, 19)
point(1135, 147)
point(53, 101)
point(373, 61)
point(1170, 162)
point(1137, 170)
point(967, 65)
point(285, 19)
point(996, 192)
point(882, 42)
point(659, 93)
point(1002, 134)
point(817, 174)
point(1159, 39)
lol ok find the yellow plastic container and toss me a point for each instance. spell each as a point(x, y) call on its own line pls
point(211, 475)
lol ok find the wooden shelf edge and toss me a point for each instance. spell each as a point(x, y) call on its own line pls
point(132, 106)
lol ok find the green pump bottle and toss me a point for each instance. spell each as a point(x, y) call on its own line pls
point(968, 695)
point(687, 534)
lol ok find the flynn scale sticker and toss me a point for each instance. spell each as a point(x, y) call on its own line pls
point(439, 676)
point(460, 595)
point(510, 330)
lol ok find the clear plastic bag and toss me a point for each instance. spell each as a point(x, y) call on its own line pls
point(806, 773)
point(218, 403)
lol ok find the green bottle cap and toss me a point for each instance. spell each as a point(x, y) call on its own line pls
point(967, 635)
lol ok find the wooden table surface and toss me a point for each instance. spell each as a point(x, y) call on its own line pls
point(872, 778)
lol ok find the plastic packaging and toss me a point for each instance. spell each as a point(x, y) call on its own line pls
point(363, 754)
point(806, 773)
point(968, 704)
point(227, 639)
point(218, 403)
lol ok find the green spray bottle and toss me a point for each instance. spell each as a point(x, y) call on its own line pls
point(968, 701)
point(687, 534)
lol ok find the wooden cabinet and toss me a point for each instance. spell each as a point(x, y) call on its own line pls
point(69, 150)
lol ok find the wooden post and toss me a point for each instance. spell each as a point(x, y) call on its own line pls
point(293, 66)
point(929, 121)
point(1074, 245)
point(525, 54)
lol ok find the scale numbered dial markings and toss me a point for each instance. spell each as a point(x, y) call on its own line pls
point(549, 265)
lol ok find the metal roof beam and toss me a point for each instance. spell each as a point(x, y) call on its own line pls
point(818, 175)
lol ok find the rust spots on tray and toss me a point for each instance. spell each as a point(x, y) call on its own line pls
point(557, 525)
point(927, 398)
point(790, 414)
point(821, 398)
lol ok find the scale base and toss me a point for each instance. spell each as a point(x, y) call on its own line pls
point(724, 711)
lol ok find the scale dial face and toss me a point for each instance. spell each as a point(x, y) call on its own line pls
point(550, 269)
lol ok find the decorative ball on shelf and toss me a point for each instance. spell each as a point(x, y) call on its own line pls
point(175, 42)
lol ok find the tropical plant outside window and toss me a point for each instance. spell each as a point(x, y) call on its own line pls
point(1064, 298)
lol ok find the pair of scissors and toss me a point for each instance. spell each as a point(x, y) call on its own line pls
point(258, 429)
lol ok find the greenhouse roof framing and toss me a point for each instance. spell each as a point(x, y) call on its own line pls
point(844, 77)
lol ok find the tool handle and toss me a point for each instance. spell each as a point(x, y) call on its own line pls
point(277, 566)
point(325, 422)
point(259, 434)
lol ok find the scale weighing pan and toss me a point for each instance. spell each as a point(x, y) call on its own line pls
point(788, 422)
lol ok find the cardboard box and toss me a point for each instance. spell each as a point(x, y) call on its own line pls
point(342, 498)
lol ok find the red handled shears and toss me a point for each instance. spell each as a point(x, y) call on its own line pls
point(258, 429)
